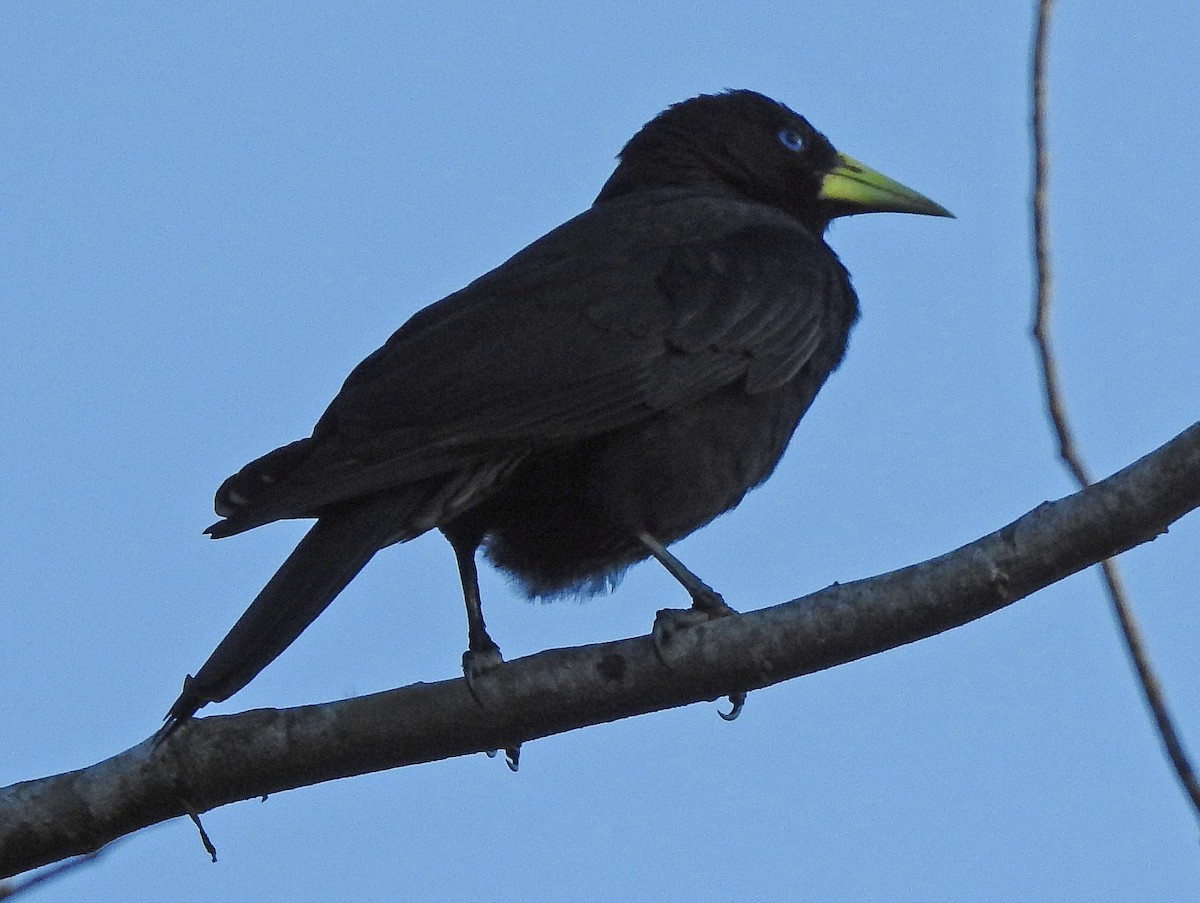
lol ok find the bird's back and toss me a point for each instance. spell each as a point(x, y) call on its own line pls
point(637, 307)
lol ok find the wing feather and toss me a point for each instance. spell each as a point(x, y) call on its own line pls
point(616, 315)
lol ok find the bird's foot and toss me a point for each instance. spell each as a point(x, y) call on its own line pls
point(478, 661)
point(671, 623)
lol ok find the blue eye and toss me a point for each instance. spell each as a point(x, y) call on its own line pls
point(791, 139)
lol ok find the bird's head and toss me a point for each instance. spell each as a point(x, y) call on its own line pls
point(745, 144)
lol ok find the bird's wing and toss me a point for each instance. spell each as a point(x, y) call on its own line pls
point(589, 329)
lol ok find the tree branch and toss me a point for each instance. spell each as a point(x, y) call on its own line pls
point(1056, 406)
point(213, 761)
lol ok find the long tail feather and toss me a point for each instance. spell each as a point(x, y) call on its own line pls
point(337, 547)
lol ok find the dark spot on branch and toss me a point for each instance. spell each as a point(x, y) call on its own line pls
point(612, 668)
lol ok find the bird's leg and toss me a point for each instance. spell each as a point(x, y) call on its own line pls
point(482, 652)
point(705, 599)
point(707, 605)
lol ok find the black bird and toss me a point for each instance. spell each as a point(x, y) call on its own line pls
point(608, 390)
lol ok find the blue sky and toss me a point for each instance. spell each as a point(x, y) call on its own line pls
point(209, 215)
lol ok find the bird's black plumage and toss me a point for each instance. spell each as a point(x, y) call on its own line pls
point(613, 387)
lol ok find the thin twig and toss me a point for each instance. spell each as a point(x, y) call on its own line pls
point(9, 891)
point(204, 838)
point(1055, 405)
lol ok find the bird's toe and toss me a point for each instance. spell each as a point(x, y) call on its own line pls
point(738, 702)
point(478, 662)
point(671, 624)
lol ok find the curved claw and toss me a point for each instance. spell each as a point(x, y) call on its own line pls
point(512, 757)
point(738, 701)
point(670, 621)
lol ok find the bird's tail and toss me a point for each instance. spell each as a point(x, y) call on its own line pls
point(338, 546)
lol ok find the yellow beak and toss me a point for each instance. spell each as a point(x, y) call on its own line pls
point(850, 187)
